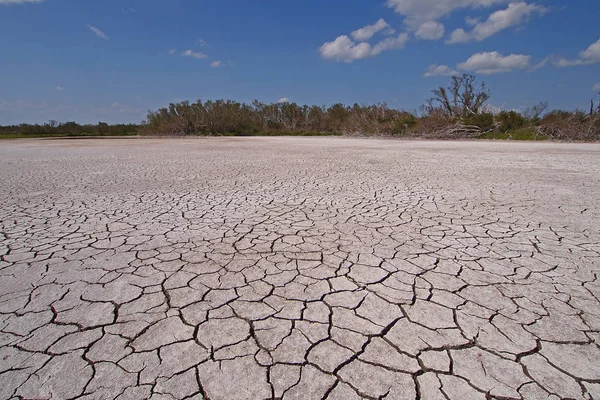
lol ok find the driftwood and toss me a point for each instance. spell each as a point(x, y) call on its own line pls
point(455, 131)
point(461, 131)
point(573, 128)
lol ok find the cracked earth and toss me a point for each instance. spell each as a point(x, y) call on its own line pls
point(299, 268)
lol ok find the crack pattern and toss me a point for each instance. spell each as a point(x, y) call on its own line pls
point(299, 269)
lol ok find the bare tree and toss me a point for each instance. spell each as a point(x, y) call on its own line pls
point(534, 113)
point(441, 97)
point(592, 110)
point(463, 97)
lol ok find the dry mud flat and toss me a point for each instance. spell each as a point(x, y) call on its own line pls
point(299, 268)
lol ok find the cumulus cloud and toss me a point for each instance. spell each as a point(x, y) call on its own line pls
point(172, 51)
point(19, 1)
point(596, 87)
point(430, 30)
point(570, 63)
point(591, 55)
point(440, 70)
point(420, 11)
point(97, 32)
point(592, 52)
point(472, 21)
point(283, 100)
point(459, 36)
point(193, 54)
point(345, 49)
point(367, 32)
point(201, 43)
point(391, 43)
point(515, 14)
point(60, 88)
point(488, 63)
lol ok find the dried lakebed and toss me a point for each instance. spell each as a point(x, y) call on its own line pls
point(299, 268)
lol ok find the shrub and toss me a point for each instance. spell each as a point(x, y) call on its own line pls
point(403, 124)
point(484, 121)
point(564, 125)
point(430, 126)
point(510, 121)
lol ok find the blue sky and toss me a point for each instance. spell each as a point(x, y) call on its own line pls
point(112, 60)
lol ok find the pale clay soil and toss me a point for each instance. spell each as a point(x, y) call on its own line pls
point(299, 268)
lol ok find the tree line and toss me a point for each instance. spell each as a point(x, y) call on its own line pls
point(55, 128)
point(231, 117)
point(460, 110)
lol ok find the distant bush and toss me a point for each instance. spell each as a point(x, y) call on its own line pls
point(484, 121)
point(510, 121)
point(404, 124)
point(433, 124)
point(571, 126)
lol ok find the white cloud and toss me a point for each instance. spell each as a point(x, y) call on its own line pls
point(397, 42)
point(345, 49)
point(570, 63)
point(193, 54)
point(283, 100)
point(201, 43)
point(458, 36)
point(60, 88)
point(430, 30)
point(592, 52)
point(539, 65)
point(591, 55)
point(596, 87)
point(471, 21)
point(488, 63)
point(221, 64)
point(172, 51)
point(420, 11)
point(367, 32)
point(440, 70)
point(19, 1)
point(97, 32)
point(515, 14)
